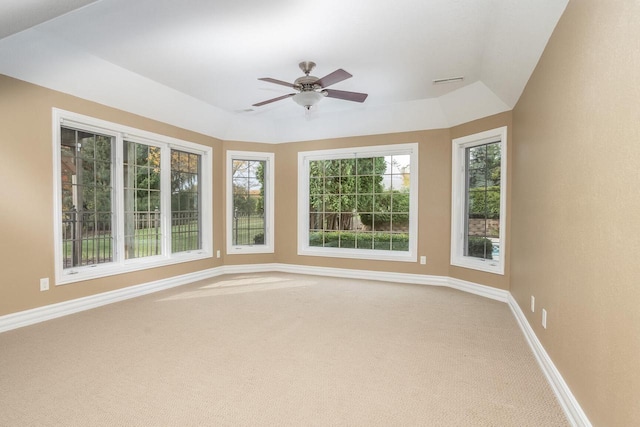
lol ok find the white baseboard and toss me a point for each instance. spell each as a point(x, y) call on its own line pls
point(418, 279)
point(570, 405)
point(481, 290)
point(572, 409)
point(48, 312)
point(41, 314)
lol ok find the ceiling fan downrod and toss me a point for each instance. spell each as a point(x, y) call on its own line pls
point(307, 66)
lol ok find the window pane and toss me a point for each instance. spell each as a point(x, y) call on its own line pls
point(248, 226)
point(142, 222)
point(87, 212)
point(483, 201)
point(186, 228)
point(358, 199)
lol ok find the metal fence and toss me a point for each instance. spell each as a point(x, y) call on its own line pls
point(248, 228)
point(87, 238)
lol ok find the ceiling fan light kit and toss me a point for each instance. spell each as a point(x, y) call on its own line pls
point(311, 89)
point(308, 99)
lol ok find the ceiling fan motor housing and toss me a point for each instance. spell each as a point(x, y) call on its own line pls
point(306, 83)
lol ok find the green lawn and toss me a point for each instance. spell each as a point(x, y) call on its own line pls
point(245, 230)
point(97, 249)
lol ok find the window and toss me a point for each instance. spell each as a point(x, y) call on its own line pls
point(142, 219)
point(250, 202)
point(359, 202)
point(185, 206)
point(126, 199)
point(87, 197)
point(478, 201)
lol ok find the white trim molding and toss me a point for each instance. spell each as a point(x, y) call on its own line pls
point(118, 263)
point(268, 201)
point(567, 400)
point(304, 160)
point(53, 311)
point(459, 204)
point(48, 312)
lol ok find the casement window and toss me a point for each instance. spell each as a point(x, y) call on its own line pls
point(126, 199)
point(250, 201)
point(359, 202)
point(479, 173)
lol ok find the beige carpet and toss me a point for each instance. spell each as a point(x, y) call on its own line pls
point(278, 349)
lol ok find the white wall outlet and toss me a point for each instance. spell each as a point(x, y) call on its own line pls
point(44, 284)
point(423, 260)
point(544, 318)
point(218, 253)
point(533, 304)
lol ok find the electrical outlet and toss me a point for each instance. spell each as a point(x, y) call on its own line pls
point(544, 318)
point(218, 253)
point(423, 260)
point(44, 284)
point(533, 304)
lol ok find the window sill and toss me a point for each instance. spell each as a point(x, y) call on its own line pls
point(98, 271)
point(257, 249)
point(377, 255)
point(486, 265)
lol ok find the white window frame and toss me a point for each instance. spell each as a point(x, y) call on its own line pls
point(269, 159)
point(458, 200)
point(305, 157)
point(119, 264)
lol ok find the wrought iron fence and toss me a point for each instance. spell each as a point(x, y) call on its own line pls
point(86, 238)
point(248, 228)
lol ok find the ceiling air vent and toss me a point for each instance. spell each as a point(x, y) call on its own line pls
point(448, 80)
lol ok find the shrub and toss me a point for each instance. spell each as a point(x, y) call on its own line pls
point(350, 239)
point(386, 203)
point(480, 247)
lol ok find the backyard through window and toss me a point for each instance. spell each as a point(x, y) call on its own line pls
point(248, 224)
point(185, 201)
point(143, 226)
point(126, 199)
point(87, 198)
point(478, 200)
point(360, 203)
point(482, 236)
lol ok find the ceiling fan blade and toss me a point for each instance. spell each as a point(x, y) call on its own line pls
point(333, 78)
point(269, 101)
point(278, 82)
point(347, 96)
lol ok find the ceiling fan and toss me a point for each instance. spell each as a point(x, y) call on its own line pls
point(312, 89)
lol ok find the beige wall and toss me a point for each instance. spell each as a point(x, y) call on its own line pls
point(26, 194)
point(27, 252)
point(576, 205)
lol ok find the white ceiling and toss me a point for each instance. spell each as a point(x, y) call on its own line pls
point(195, 63)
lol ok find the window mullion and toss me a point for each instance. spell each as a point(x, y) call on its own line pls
point(165, 199)
point(118, 200)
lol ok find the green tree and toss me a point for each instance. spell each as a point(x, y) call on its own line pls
point(248, 176)
point(484, 181)
point(484, 165)
point(341, 187)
